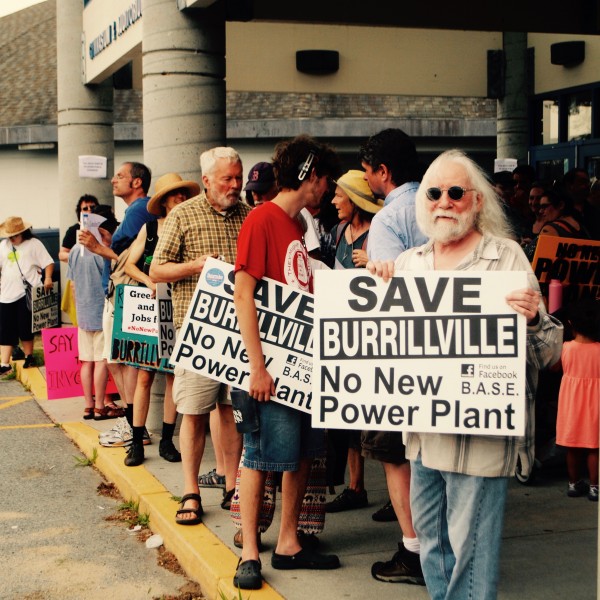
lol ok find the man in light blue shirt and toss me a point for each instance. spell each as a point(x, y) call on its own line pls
point(393, 172)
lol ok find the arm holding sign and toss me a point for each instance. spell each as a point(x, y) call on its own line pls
point(261, 385)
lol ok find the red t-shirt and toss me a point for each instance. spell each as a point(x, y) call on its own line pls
point(270, 244)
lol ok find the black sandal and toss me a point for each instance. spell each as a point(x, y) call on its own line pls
point(227, 497)
point(247, 575)
point(186, 511)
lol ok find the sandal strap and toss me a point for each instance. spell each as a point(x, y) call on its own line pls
point(187, 497)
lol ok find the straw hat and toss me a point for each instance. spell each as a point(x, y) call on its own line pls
point(358, 190)
point(167, 183)
point(14, 226)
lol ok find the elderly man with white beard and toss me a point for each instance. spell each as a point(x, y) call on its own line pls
point(459, 482)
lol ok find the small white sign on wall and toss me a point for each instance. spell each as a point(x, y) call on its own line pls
point(93, 167)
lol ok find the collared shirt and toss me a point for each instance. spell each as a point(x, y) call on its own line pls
point(489, 456)
point(394, 228)
point(192, 229)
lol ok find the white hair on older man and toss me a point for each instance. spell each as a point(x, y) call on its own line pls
point(208, 159)
point(491, 219)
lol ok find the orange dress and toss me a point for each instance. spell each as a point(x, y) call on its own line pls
point(579, 396)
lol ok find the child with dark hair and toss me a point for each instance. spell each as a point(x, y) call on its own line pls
point(578, 401)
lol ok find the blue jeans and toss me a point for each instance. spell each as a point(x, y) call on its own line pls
point(458, 520)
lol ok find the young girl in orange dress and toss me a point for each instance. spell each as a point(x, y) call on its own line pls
point(579, 398)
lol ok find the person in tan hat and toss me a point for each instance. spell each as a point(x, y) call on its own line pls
point(169, 191)
point(356, 205)
point(22, 259)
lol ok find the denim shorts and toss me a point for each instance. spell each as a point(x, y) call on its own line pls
point(284, 437)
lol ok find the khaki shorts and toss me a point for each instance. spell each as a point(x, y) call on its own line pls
point(90, 345)
point(194, 394)
point(108, 318)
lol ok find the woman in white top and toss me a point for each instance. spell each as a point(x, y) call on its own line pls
point(22, 259)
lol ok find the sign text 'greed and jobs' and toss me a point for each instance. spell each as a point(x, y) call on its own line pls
point(434, 351)
point(209, 341)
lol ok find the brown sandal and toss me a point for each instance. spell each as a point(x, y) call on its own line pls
point(110, 411)
point(88, 413)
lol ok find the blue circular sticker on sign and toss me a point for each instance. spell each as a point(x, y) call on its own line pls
point(215, 277)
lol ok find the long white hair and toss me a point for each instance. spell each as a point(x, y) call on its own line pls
point(491, 219)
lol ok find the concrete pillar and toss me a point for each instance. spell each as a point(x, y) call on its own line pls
point(513, 122)
point(85, 118)
point(183, 86)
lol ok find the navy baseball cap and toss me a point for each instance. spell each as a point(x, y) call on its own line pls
point(261, 178)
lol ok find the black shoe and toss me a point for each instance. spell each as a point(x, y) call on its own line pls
point(308, 541)
point(305, 559)
point(167, 450)
point(135, 455)
point(347, 500)
point(247, 575)
point(5, 370)
point(227, 497)
point(29, 361)
point(405, 567)
point(17, 353)
point(385, 514)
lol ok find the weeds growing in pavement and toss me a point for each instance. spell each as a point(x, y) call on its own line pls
point(85, 461)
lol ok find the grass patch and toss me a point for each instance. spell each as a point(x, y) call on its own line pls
point(84, 461)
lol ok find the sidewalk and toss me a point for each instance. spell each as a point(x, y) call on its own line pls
point(549, 549)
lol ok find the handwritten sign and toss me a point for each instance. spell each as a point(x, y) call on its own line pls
point(430, 352)
point(575, 263)
point(210, 343)
point(61, 357)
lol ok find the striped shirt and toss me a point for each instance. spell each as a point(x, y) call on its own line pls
point(489, 456)
point(192, 229)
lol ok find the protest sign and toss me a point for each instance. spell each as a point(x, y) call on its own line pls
point(61, 358)
point(430, 352)
point(209, 341)
point(166, 329)
point(573, 262)
point(45, 308)
point(135, 329)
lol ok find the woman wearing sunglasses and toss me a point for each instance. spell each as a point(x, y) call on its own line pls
point(22, 259)
point(560, 219)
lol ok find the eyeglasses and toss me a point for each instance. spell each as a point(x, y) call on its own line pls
point(454, 193)
point(544, 206)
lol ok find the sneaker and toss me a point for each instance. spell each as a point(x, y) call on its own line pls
point(5, 370)
point(135, 455)
point(593, 493)
point(579, 488)
point(385, 514)
point(29, 361)
point(347, 500)
point(211, 480)
point(405, 567)
point(120, 435)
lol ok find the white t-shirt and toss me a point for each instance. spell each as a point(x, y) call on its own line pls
point(32, 257)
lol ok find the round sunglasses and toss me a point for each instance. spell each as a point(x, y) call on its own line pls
point(455, 192)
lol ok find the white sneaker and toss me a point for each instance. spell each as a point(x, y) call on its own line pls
point(121, 425)
point(121, 436)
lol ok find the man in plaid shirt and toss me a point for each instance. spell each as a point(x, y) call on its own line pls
point(204, 226)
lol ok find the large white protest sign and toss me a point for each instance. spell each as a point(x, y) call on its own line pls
point(209, 341)
point(430, 352)
point(44, 307)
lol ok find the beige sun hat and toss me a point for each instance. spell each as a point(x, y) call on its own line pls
point(13, 226)
point(358, 190)
point(167, 183)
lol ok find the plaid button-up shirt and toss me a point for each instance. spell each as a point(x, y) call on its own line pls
point(489, 456)
point(192, 229)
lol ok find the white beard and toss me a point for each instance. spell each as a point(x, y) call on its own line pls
point(457, 227)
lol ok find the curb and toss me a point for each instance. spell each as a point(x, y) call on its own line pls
point(202, 555)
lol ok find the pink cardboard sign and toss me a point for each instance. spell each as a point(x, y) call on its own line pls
point(61, 356)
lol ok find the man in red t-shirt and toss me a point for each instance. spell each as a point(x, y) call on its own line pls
point(271, 244)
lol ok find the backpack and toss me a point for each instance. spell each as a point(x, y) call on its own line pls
point(118, 275)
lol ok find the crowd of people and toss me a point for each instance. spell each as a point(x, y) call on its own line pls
point(303, 212)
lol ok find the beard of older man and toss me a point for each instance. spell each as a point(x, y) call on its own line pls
point(446, 226)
